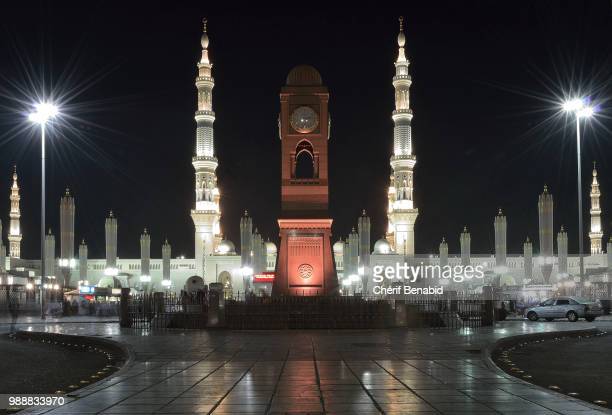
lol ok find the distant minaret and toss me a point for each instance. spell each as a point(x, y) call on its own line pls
point(111, 240)
point(353, 259)
point(500, 226)
point(401, 211)
point(246, 240)
point(166, 252)
point(562, 251)
point(465, 242)
point(363, 226)
point(145, 254)
point(545, 214)
point(443, 253)
point(83, 261)
point(596, 234)
point(2, 251)
point(14, 235)
point(49, 254)
point(67, 211)
point(528, 257)
point(207, 214)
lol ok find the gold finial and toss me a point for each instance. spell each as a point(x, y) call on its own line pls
point(111, 214)
point(443, 240)
point(465, 229)
point(145, 231)
point(204, 23)
point(83, 241)
point(500, 213)
point(545, 188)
point(49, 231)
point(363, 212)
point(562, 230)
point(527, 241)
point(246, 212)
point(67, 191)
point(401, 23)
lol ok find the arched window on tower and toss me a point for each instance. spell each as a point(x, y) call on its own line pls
point(304, 161)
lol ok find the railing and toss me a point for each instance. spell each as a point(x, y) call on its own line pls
point(168, 310)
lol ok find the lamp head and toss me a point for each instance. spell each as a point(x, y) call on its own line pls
point(44, 111)
point(573, 105)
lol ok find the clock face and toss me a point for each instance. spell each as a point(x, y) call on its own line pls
point(304, 119)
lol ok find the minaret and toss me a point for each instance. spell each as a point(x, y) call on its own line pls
point(145, 256)
point(14, 235)
point(206, 215)
point(465, 242)
point(363, 226)
point(110, 228)
point(545, 214)
point(500, 226)
point(83, 261)
point(246, 240)
point(2, 251)
point(166, 252)
point(401, 212)
point(528, 258)
point(562, 251)
point(443, 253)
point(596, 234)
point(67, 211)
point(49, 254)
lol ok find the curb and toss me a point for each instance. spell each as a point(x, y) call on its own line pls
point(124, 348)
point(513, 340)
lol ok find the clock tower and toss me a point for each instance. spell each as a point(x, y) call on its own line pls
point(305, 265)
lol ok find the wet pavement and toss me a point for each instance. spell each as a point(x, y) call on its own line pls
point(344, 371)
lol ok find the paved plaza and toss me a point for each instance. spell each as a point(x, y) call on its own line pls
point(400, 371)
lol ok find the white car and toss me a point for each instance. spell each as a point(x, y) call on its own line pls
point(571, 308)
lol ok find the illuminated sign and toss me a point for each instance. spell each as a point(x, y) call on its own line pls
point(86, 289)
point(264, 277)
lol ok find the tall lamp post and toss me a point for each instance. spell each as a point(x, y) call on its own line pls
point(43, 112)
point(579, 109)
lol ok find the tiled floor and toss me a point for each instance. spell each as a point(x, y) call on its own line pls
point(362, 372)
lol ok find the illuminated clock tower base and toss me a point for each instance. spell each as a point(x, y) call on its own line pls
point(305, 266)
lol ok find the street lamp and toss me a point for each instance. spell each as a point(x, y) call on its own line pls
point(43, 113)
point(579, 109)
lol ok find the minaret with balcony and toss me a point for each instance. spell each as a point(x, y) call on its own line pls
point(402, 213)
point(206, 215)
point(14, 235)
point(595, 234)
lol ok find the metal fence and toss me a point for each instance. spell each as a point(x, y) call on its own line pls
point(167, 310)
point(451, 312)
point(307, 312)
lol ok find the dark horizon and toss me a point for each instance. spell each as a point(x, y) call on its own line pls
point(480, 133)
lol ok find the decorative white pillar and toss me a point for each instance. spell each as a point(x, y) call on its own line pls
point(465, 242)
point(246, 240)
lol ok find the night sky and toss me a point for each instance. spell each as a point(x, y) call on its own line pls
point(486, 79)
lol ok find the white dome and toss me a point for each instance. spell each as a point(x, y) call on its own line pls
point(339, 248)
point(382, 247)
point(270, 248)
point(226, 247)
